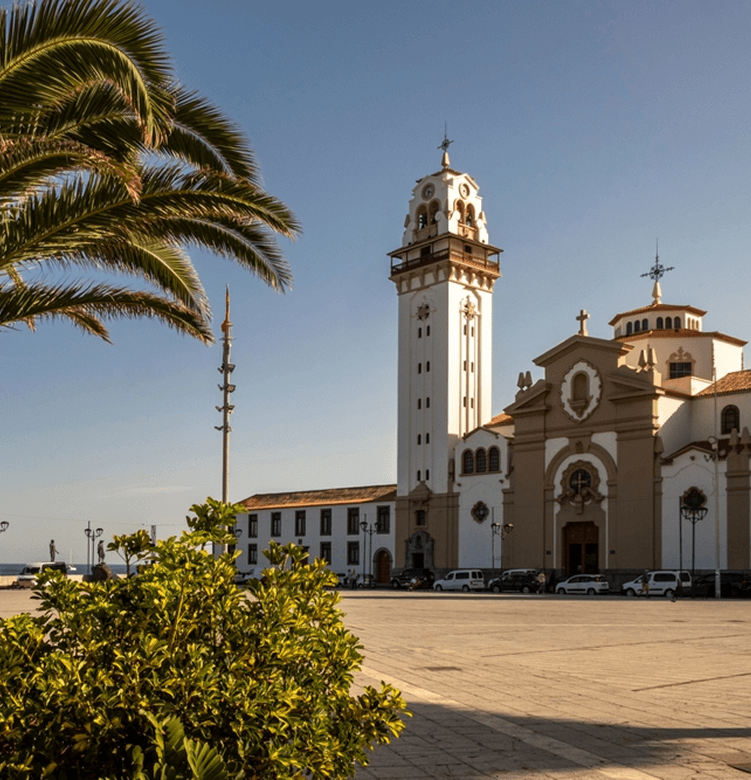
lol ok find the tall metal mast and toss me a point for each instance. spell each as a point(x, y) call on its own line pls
point(226, 408)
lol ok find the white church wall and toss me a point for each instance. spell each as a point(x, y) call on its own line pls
point(728, 358)
point(609, 442)
point(692, 469)
point(675, 418)
point(553, 447)
point(476, 541)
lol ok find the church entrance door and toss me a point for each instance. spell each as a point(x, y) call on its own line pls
point(581, 548)
point(383, 566)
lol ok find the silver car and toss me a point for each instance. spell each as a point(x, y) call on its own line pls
point(591, 584)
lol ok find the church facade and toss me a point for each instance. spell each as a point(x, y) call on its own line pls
point(592, 468)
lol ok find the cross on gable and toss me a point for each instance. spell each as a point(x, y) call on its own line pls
point(582, 320)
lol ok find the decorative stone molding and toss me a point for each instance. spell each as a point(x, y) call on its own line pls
point(578, 409)
point(580, 485)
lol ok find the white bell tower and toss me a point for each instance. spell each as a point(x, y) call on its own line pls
point(444, 274)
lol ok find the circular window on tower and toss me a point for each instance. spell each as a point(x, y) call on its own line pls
point(463, 189)
point(427, 191)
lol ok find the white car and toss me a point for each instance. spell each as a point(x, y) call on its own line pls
point(590, 584)
point(658, 583)
point(29, 572)
point(461, 579)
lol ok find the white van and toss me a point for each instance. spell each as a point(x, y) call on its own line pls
point(29, 572)
point(461, 579)
point(657, 583)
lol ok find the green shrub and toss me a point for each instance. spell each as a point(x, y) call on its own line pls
point(179, 673)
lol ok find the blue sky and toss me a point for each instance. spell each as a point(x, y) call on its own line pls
point(592, 128)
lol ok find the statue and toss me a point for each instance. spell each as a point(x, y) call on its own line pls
point(100, 551)
point(53, 550)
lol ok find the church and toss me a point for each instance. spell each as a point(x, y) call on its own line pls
point(631, 453)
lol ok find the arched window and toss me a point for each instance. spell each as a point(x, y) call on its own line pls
point(676, 322)
point(580, 387)
point(730, 419)
point(481, 460)
point(645, 324)
point(660, 323)
point(494, 459)
point(668, 322)
point(468, 462)
point(580, 480)
point(637, 326)
point(459, 207)
point(422, 217)
point(469, 218)
point(433, 211)
point(629, 328)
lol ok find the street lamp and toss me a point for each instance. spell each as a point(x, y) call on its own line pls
point(693, 510)
point(92, 535)
point(499, 530)
point(4, 526)
point(370, 530)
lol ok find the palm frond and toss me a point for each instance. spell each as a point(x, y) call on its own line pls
point(88, 306)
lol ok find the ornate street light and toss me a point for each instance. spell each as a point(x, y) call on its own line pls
point(499, 530)
point(92, 535)
point(370, 530)
point(693, 510)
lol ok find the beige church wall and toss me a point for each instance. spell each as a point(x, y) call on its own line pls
point(728, 357)
point(636, 535)
point(608, 440)
point(692, 470)
point(525, 546)
point(441, 526)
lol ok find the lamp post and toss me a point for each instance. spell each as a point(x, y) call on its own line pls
point(499, 530)
point(4, 526)
point(716, 457)
point(693, 510)
point(92, 534)
point(370, 530)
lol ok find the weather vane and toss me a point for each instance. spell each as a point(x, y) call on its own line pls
point(657, 271)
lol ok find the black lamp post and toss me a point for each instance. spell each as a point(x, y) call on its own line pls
point(499, 530)
point(693, 510)
point(370, 530)
point(92, 535)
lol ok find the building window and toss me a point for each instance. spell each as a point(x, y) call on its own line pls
point(427, 330)
point(468, 462)
point(481, 461)
point(427, 474)
point(660, 323)
point(420, 517)
point(419, 368)
point(419, 439)
point(645, 324)
point(676, 323)
point(300, 522)
point(494, 459)
point(419, 333)
point(419, 403)
point(637, 326)
point(252, 526)
point(580, 480)
point(325, 522)
point(419, 475)
point(427, 438)
point(383, 520)
point(677, 370)
point(629, 328)
point(252, 553)
point(325, 553)
point(668, 322)
point(427, 402)
point(353, 521)
point(353, 553)
point(422, 218)
point(730, 419)
point(276, 524)
point(427, 366)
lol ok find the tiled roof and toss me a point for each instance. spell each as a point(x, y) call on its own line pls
point(735, 382)
point(500, 419)
point(682, 333)
point(657, 307)
point(351, 495)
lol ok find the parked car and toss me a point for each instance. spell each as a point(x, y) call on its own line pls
point(733, 584)
point(516, 580)
point(658, 583)
point(415, 577)
point(29, 572)
point(461, 579)
point(590, 584)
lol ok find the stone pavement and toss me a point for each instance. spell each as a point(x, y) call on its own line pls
point(585, 688)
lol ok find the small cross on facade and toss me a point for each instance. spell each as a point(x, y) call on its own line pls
point(582, 320)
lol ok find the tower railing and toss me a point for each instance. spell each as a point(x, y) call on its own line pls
point(399, 265)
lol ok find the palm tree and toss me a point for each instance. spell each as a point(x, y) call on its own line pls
point(107, 164)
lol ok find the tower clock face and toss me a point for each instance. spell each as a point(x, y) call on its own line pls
point(427, 191)
point(463, 190)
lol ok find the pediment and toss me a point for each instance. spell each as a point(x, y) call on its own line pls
point(530, 401)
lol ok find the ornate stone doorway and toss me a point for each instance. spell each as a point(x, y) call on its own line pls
point(383, 566)
point(419, 552)
point(581, 548)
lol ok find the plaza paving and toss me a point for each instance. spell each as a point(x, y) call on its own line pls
point(553, 687)
point(559, 687)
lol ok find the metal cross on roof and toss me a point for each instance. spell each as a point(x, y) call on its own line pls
point(445, 143)
point(657, 271)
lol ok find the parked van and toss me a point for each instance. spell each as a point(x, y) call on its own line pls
point(29, 572)
point(461, 579)
point(657, 583)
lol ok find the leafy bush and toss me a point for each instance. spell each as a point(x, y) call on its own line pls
point(179, 673)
